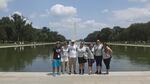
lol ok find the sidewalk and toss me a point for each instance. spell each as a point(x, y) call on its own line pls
point(45, 78)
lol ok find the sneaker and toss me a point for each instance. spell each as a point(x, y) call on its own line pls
point(96, 72)
point(82, 72)
point(70, 73)
point(90, 72)
point(65, 70)
point(62, 72)
point(107, 72)
point(100, 72)
point(58, 73)
point(75, 72)
point(54, 74)
point(79, 71)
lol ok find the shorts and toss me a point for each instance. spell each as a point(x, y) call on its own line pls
point(81, 60)
point(98, 60)
point(72, 61)
point(90, 62)
point(64, 59)
point(56, 63)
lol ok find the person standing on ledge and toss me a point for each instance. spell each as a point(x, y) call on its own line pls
point(56, 62)
point(72, 57)
point(64, 57)
point(91, 60)
point(82, 54)
point(107, 55)
point(98, 56)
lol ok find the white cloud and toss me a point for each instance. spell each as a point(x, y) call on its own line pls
point(105, 11)
point(4, 4)
point(138, 0)
point(17, 12)
point(131, 14)
point(61, 10)
point(66, 27)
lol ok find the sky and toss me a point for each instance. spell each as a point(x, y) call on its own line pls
point(84, 15)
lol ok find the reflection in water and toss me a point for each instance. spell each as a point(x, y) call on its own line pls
point(125, 47)
point(38, 58)
point(21, 48)
point(131, 58)
point(34, 46)
point(15, 48)
point(16, 59)
point(137, 55)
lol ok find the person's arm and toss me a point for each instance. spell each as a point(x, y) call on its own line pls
point(92, 50)
point(109, 50)
point(76, 48)
point(62, 49)
point(69, 52)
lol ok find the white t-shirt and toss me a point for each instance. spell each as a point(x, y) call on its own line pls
point(73, 51)
point(90, 54)
point(98, 50)
point(65, 52)
point(81, 51)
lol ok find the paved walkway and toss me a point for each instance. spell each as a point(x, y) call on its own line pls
point(45, 78)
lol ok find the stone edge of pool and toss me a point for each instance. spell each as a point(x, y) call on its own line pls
point(42, 74)
point(24, 45)
point(117, 44)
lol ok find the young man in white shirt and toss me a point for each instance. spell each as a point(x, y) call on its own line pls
point(72, 57)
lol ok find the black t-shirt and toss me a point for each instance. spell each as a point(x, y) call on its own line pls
point(57, 52)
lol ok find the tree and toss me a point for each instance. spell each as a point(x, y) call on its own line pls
point(106, 34)
point(3, 35)
point(17, 28)
point(19, 22)
point(137, 32)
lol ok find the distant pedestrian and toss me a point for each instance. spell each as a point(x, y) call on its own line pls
point(64, 57)
point(90, 51)
point(107, 55)
point(98, 56)
point(56, 63)
point(82, 57)
point(72, 57)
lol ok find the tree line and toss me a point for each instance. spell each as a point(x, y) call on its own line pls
point(17, 29)
point(137, 32)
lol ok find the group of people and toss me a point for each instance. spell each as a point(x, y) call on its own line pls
point(65, 57)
